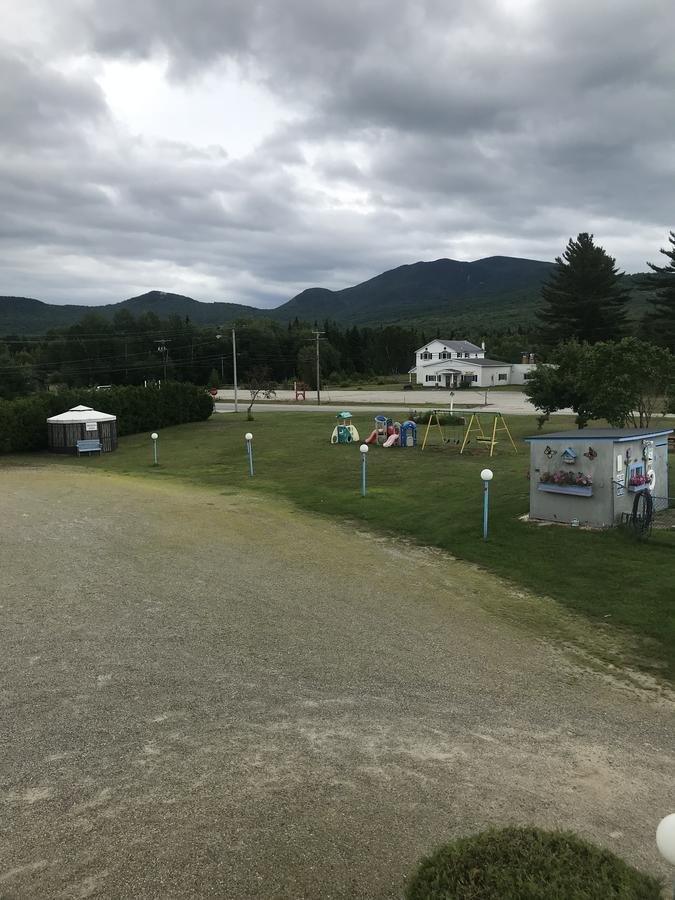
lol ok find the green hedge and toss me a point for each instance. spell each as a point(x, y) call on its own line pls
point(23, 421)
point(422, 418)
point(528, 864)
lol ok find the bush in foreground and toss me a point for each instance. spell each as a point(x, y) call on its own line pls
point(528, 864)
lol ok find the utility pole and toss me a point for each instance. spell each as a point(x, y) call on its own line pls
point(317, 335)
point(234, 365)
point(164, 350)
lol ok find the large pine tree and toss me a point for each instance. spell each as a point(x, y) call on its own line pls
point(584, 297)
point(660, 321)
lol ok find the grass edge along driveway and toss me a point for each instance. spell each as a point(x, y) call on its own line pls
point(433, 497)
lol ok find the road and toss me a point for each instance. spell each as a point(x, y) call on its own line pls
point(209, 694)
point(508, 402)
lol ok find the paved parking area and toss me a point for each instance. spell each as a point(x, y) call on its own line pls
point(206, 695)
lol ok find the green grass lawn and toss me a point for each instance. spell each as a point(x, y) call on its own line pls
point(435, 497)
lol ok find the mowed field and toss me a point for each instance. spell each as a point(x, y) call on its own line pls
point(207, 692)
point(433, 497)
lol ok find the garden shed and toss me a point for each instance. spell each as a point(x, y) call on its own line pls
point(81, 423)
point(590, 476)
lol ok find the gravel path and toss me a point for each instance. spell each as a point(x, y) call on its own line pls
point(210, 695)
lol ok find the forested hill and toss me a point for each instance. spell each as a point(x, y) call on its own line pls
point(24, 315)
point(504, 288)
point(441, 288)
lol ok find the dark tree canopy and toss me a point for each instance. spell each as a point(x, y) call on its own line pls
point(660, 321)
point(584, 298)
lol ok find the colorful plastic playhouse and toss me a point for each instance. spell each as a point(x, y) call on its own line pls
point(344, 432)
point(387, 432)
point(408, 435)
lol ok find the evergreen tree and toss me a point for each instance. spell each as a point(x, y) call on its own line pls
point(660, 321)
point(584, 297)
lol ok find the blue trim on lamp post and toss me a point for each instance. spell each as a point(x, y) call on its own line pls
point(364, 450)
point(249, 448)
point(487, 476)
point(154, 437)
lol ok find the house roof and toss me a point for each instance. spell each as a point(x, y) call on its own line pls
point(457, 346)
point(468, 363)
point(81, 414)
point(486, 362)
point(602, 434)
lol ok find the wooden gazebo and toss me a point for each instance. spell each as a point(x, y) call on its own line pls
point(79, 424)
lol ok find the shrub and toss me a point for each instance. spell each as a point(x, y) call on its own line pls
point(23, 421)
point(528, 864)
point(447, 419)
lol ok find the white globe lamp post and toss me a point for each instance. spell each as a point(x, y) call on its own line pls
point(486, 476)
point(665, 840)
point(154, 437)
point(249, 450)
point(364, 452)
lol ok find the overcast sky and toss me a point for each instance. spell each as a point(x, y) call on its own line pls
point(243, 150)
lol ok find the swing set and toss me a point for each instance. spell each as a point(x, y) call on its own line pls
point(487, 435)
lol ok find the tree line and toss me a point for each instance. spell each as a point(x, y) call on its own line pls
point(136, 350)
point(597, 368)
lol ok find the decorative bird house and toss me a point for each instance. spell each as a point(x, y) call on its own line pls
point(568, 456)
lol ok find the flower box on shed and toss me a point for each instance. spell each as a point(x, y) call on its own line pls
point(575, 489)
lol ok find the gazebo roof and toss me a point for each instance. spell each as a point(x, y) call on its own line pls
point(79, 414)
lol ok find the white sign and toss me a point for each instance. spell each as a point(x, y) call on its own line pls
point(620, 482)
point(91, 426)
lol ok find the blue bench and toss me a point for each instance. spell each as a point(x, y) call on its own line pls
point(90, 446)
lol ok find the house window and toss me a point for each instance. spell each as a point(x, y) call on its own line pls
point(467, 355)
point(472, 377)
point(446, 354)
point(425, 355)
point(502, 377)
point(431, 378)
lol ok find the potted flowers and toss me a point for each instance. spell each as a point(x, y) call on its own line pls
point(566, 482)
point(638, 482)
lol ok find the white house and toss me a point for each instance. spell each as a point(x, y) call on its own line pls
point(451, 364)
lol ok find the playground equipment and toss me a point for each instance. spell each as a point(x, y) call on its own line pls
point(435, 422)
point(300, 389)
point(394, 435)
point(388, 433)
point(475, 427)
point(383, 429)
point(408, 436)
point(344, 432)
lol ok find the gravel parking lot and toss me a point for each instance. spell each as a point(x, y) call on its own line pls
point(212, 695)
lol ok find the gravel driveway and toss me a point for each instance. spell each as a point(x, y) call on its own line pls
point(209, 695)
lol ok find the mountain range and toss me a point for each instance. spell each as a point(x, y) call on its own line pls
point(503, 288)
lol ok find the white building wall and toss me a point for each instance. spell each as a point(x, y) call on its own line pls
point(488, 376)
point(519, 371)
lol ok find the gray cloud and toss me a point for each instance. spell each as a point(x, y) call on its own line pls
point(410, 131)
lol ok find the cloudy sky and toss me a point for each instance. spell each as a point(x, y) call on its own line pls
point(243, 150)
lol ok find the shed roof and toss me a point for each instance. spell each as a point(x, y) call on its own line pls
point(80, 414)
point(602, 434)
